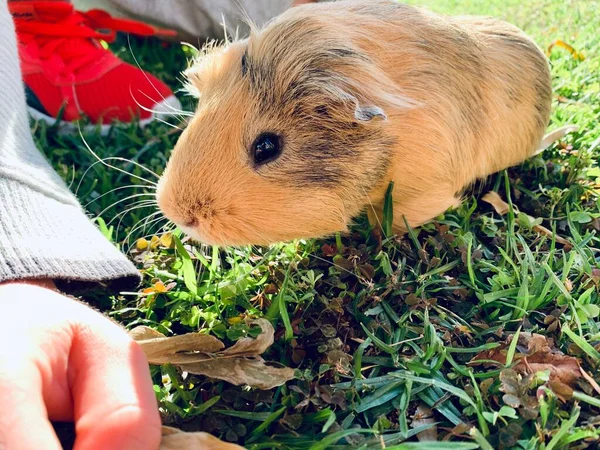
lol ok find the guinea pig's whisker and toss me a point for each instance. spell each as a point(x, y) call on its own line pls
point(132, 207)
point(169, 227)
point(145, 74)
point(156, 117)
point(102, 161)
point(115, 158)
point(135, 163)
point(120, 188)
point(151, 216)
point(129, 197)
point(159, 230)
point(121, 216)
point(124, 214)
point(179, 113)
point(141, 225)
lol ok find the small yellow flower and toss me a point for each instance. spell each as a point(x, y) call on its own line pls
point(235, 320)
point(154, 241)
point(158, 288)
point(141, 244)
point(166, 240)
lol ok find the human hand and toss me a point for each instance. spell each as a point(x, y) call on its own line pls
point(62, 361)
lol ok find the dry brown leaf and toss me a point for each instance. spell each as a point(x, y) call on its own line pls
point(251, 371)
point(496, 201)
point(174, 439)
point(563, 391)
point(250, 346)
point(424, 416)
point(535, 353)
point(590, 380)
point(502, 208)
point(160, 349)
point(562, 367)
point(554, 136)
point(546, 232)
point(204, 355)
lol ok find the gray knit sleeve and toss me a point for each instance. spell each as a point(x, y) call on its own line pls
point(44, 233)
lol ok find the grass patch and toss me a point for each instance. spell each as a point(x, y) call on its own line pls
point(383, 336)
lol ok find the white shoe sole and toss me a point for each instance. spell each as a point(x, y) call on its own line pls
point(169, 107)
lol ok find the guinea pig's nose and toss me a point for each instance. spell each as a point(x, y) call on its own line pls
point(190, 222)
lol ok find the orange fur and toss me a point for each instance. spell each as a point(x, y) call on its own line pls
point(362, 93)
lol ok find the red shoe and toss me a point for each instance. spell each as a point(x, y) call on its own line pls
point(66, 69)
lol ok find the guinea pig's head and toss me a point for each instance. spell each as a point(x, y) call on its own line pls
point(288, 139)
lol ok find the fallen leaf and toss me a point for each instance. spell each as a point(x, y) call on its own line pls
point(511, 400)
point(590, 380)
point(204, 355)
point(546, 232)
point(562, 367)
point(251, 347)
point(500, 206)
point(238, 371)
point(424, 416)
point(554, 136)
point(185, 348)
point(329, 250)
point(174, 439)
point(562, 390)
point(143, 333)
point(535, 353)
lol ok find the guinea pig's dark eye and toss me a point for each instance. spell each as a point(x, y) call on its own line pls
point(266, 148)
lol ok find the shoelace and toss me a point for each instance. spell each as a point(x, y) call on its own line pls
point(91, 26)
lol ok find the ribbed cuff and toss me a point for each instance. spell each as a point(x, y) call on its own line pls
point(41, 237)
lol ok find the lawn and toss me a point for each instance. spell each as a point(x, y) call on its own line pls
point(480, 329)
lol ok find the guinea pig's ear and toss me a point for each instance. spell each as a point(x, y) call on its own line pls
point(369, 112)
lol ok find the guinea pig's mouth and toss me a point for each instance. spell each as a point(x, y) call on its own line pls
point(239, 224)
point(196, 234)
point(240, 233)
point(222, 236)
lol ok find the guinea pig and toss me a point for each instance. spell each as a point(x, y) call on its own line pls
point(303, 125)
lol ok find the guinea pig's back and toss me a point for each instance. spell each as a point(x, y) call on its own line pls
point(519, 86)
point(482, 88)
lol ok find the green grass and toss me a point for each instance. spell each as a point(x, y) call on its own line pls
point(377, 331)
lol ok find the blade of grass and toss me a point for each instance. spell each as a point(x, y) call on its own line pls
point(331, 439)
point(434, 446)
point(379, 343)
point(279, 307)
point(388, 211)
point(268, 421)
point(510, 354)
point(380, 396)
point(189, 272)
point(581, 343)
point(358, 355)
point(564, 428)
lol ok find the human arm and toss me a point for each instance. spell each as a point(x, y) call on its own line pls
point(59, 359)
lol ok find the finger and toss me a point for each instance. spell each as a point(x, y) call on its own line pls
point(23, 420)
point(114, 402)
